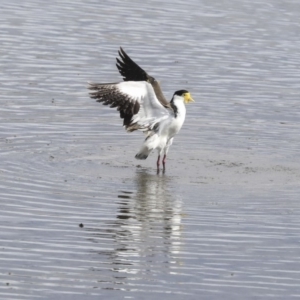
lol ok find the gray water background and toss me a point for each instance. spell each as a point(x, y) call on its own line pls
point(224, 220)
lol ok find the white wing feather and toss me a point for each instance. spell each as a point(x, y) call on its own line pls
point(151, 111)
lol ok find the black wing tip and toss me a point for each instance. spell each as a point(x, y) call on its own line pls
point(122, 51)
point(129, 69)
point(122, 54)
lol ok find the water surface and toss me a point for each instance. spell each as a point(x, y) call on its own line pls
point(81, 218)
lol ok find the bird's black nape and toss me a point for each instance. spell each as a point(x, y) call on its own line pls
point(174, 107)
point(180, 92)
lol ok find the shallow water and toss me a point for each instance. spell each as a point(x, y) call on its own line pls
point(80, 218)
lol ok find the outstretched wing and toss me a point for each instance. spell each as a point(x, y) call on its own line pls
point(136, 102)
point(131, 71)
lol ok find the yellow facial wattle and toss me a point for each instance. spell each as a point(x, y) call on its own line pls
point(188, 98)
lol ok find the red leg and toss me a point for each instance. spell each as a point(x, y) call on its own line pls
point(157, 163)
point(164, 161)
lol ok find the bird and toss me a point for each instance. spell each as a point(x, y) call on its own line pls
point(142, 106)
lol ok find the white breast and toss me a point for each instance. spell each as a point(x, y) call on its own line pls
point(175, 124)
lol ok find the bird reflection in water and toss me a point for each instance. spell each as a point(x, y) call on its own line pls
point(153, 209)
point(145, 237)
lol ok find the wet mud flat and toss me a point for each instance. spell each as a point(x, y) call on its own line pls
point(79, 224)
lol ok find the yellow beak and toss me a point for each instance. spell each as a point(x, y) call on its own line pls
point(188, 98)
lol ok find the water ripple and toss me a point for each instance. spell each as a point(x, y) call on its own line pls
point(80, 218)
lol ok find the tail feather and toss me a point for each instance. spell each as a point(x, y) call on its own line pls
point(143, 153)
point(151, 143)
point(141, 156)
